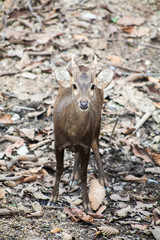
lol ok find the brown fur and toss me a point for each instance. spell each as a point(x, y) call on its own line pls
point(78, 130)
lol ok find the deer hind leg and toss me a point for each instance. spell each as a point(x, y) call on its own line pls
point(59, 171)
point(101, 174)
point(75, 174)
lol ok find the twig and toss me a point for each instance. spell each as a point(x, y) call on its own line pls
point(6, 177)
point(5, 19)
point(149, 45)
point(142, 121)
point(140, 75)
point(9, 211)
point(113, 131)
point(34, 14)
point(125, 68)
point(12, 163)
point(39, 144)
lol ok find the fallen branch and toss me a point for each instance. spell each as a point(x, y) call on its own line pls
point(39, 144)
point(34, 14)
point(142, 121)
point(7, 177)
point(149, 45)
point(8, 212)
point(113, 130)
point(5, 19)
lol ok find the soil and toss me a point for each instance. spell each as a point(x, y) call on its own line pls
point(27, 93)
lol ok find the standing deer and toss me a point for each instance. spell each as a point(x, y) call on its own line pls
point(77, 120)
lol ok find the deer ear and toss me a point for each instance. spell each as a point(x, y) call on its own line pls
point(104, 78)
point(63, 77)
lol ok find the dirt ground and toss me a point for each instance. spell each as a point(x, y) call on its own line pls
point(36, 37)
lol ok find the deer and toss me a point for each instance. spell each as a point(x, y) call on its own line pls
point(77, 121)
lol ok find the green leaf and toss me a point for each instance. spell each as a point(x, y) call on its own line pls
point(114, 19)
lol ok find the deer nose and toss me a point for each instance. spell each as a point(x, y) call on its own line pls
point(83, 105)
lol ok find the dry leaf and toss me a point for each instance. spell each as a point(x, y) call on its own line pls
point(115, 59)
point(13, 147)
point(157, 105)
point(139, 226)
point(123, 212)
point(117, 197)
point(80, 37)
point(101, 209)
point(27, 132)
point(141, 152)
point(131, 20)
point(5, 119)
point(131, 178)
point(25, 60)
point(156, 232)
point(96, 194)
point(77, 214)
point(107, 230)
point(66, 236)
point(55, 230)
point(136, 32)
point(2, 193)
point(156, 158)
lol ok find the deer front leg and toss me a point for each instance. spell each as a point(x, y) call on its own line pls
point(75, 173)
point(83, 161)
point(101, 174)
point(59, 170)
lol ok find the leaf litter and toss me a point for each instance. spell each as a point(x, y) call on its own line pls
point(36, 39)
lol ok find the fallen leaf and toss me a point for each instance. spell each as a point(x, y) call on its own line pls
point(25, 60)
point(123, 212)
point(77, 214)
point(96, 194)
point(101, 209)
point(115, 59)
point(136, 32)
point(141, 152)
point(6, 119)
point(13, 147)
point(139, 226)
point(156, 216)
point(2, 193)
point(131, 20)
point(66, 236)
point(27, 132)
point(131, 178)
point(117, 197)
point(156, 158)
point(107, 230)
point(55, 230)
point(99, 43)
point(80, 37)
point(156, 232)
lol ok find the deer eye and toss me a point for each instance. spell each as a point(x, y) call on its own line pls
point(74, 86)
point(92, 86)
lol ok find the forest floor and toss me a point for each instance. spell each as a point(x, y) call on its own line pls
point(36, 37)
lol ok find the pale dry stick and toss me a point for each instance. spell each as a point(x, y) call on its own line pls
point(12, 139)
point(125, 68)
point(39, 144)
point(9, 212)
point(5, 19)
point(13, 162)
point(134, 76)
point(34, 14)
point(113, 130)
point(9, 178)
point(149, 45)
point(26, 158)
point(142, 121)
